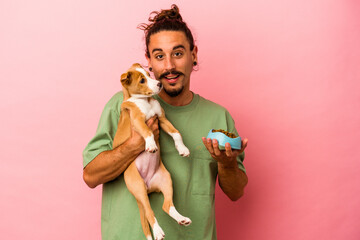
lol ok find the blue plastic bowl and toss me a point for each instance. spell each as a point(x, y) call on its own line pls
point(235, 143)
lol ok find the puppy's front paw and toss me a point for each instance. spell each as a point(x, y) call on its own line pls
point(150, 145)
point(184, 221)
point(183, 150)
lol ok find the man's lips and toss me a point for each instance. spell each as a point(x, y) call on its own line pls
point(171, 77)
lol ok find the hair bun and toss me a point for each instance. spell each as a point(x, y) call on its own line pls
point(166, 20)
point(170, 14)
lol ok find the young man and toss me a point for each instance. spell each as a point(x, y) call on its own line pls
point(171, 55)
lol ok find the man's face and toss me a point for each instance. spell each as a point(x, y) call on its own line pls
point(171, 60)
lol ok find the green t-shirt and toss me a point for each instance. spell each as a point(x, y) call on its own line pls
point(193, 177)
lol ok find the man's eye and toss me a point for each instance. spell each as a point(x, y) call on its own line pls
point(178, 54)
point(142, 80)
point(159, 56)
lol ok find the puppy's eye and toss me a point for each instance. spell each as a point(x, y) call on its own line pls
point(142, 80)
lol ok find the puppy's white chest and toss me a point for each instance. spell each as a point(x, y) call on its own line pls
point(148, 108)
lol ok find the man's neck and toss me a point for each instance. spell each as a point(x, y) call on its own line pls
point(182, 99)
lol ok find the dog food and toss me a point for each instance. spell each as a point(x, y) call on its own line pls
point(231, 135)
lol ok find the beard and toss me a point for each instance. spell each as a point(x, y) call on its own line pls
point(174, 92)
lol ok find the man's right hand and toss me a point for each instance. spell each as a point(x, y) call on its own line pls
point(137, 141)
point(108, 165)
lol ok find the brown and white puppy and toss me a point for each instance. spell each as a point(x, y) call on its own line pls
point(147, 173)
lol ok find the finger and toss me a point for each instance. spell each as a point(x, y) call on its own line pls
point(150, 121)
point(204, 140)
point(228, 150)
point(155, 124)
point(243, 144)
point(215, 146)
point(205, 143)
point(155, 128)
point(209, 146)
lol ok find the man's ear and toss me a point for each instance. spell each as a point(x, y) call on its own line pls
point(125, 78)
point(148, 60)
point(194, 53)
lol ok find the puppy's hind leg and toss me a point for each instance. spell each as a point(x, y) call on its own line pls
point(137, 187)
point(144, 222)
point(162, 182)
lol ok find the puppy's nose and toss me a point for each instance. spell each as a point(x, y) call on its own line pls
point(159, 85)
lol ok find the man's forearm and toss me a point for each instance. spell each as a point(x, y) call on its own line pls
point(232, 180)
point(108, 165)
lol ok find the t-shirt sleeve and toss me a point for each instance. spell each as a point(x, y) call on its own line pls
point(103, 139)
point(232, 129)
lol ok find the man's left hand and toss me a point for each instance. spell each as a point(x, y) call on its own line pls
point(225, 157)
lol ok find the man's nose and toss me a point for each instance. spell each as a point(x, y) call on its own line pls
point(169, 64)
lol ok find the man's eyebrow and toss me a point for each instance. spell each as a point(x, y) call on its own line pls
point(178, 46)
point(156, 49)
point(174, 48)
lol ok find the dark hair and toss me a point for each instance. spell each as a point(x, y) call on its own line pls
point(166, 20)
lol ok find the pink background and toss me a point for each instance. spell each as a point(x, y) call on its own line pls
point(288, 73)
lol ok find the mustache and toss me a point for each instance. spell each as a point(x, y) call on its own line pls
point(170, 72)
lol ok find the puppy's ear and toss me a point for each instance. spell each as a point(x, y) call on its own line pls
point(136, 65)
point(125, 78)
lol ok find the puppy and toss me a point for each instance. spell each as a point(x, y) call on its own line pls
point(147, 173)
